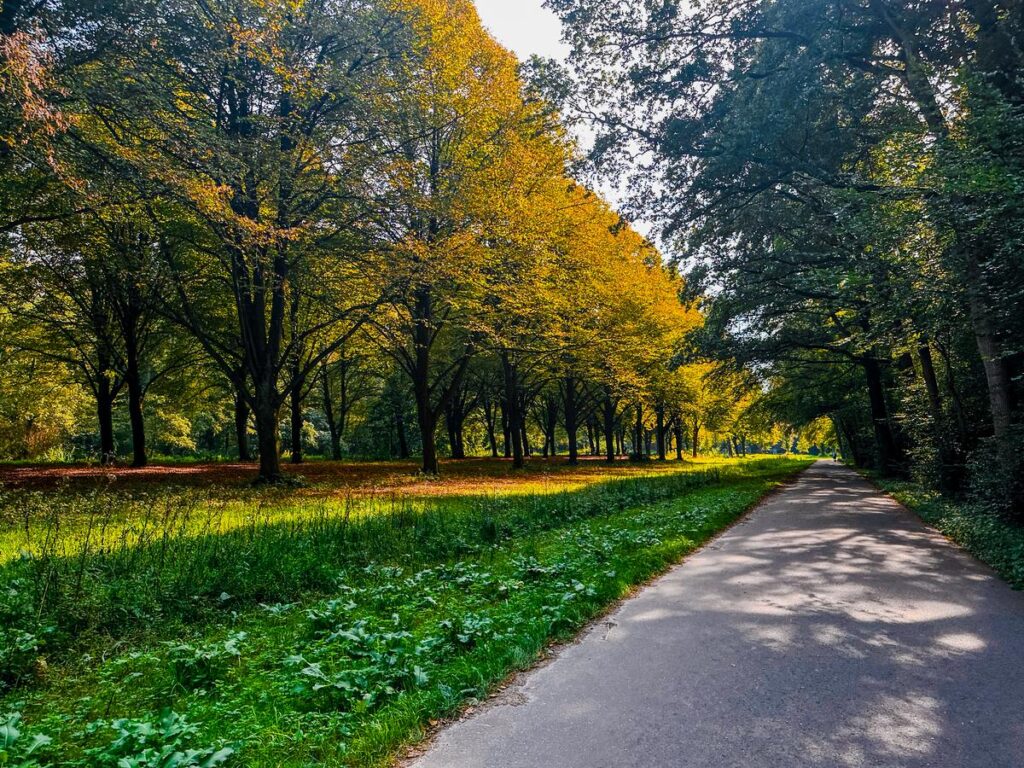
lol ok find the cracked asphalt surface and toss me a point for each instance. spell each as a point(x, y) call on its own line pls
point(830, 629)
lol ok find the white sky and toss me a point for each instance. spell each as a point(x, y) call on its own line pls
point(525, 26)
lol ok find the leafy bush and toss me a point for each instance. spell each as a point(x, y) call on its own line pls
point(163, 744)
point(15, 750)
point(372, 666)
point(199, 667)
point(22, 638)
point(997, 481)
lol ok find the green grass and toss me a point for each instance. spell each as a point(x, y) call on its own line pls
point(327, 638)
point(992, 539)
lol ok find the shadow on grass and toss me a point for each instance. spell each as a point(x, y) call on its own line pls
point(52, 603)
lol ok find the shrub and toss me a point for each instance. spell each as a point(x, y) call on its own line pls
point(996, 479)
point(15, 750)
point(163, 744)
point(199, 667)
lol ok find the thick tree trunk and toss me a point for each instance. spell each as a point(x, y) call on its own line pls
point(135, 394)
point(427, 422)
point(105, 416)
point(608, 412)
point(997, 375)
point(268, 440)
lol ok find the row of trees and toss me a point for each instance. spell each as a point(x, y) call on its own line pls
point(272, 207)
point(845, 178)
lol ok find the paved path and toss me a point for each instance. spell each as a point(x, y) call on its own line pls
point(830, 629)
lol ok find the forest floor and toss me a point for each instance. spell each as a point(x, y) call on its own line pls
point(332, 624)
point(829, 629)
point(465, 476)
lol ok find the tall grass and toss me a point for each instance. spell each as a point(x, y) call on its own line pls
point(177, 562)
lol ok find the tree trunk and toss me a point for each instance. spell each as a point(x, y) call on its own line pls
point(297, 421)
point(608, 412)
point(889, 453)
point(949, 475)
point(679, 440)
point(268, 440)
point(332, 425)
point(515, 433)
point(696, 437)
point(569, 396)
point(660, 413)
point(427, 423)
point(135, 415)
point(242, 427)
point(105, 415)
point(403, 439)
point(506, 431)
point(639, 438)
point(963, 428)
point(997, 374)
point(492, 437)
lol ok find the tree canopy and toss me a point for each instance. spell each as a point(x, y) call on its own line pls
point(842, 180)
point(337, 224)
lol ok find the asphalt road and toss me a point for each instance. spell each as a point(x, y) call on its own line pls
point(830, 629)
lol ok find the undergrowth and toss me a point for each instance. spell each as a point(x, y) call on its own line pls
point(328, 640)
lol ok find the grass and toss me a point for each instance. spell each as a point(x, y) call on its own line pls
point(329, 629)
point(991, 538)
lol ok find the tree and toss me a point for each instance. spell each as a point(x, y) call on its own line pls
point(448, 143)
point(246, 119)
point(792, 144)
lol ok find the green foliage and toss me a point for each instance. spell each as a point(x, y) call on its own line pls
point(996, 480)
point(160, 744)
point(15, 750)
point(199, 667)
point(423, 611)
point(166, 569)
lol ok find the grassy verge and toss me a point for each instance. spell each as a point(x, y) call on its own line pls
point(993, 540)
point(333, 641)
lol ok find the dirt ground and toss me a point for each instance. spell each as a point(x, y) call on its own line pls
point(379, 477)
